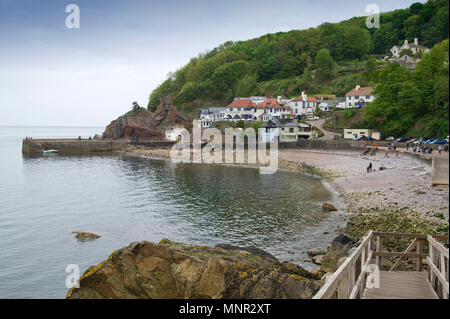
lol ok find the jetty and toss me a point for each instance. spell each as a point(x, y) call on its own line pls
point(87, 146)
point(360, 275)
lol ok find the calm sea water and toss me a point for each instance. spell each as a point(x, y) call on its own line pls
point(125, 199)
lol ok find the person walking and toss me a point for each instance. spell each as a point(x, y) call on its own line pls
point(407, 146)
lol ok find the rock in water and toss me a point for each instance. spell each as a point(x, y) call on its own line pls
point(327, 207)
point(175, 270)
point(315, 252)
point(339, 248)
point(85, 235)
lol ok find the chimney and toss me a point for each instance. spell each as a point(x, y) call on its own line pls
point(304, 97)
point(416, 41)
point(358, 87)
point(406, 42)
point(279, 99)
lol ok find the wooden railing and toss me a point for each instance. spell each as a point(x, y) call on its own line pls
point(439, 267)
point(349, 280)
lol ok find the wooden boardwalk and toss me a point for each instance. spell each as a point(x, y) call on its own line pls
point(402, 285)
point(362, 269)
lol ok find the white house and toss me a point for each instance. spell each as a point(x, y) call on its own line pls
point(414, 47)
point(359, 97)
point(212, 115)
point(303, 105)
point(246, 109)
point(285, 131)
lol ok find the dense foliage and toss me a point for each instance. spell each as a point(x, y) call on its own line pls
point(412, 98)
point(327, 59)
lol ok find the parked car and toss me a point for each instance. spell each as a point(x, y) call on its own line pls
point(390, 138)
point(401, 140)
point(411, 140)
point(439, 142)
point(430, 141)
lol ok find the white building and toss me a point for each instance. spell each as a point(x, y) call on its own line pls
point(359, 97)
point(247, 110)
point(414, 47)
point(212, 115)
point(303, 105)
point(285, 131)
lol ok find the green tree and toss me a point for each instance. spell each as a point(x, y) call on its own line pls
point(325, 65)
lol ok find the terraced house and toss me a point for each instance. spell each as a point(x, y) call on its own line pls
point(248, 109)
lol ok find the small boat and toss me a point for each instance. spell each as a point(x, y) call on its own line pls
point(49, 151)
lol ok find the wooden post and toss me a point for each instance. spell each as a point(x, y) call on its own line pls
point(379, 248)
point(419, 258)
point(445, 274)
point(342, 289)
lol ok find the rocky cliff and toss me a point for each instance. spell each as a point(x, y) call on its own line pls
point(175, 270)
point(144, 124)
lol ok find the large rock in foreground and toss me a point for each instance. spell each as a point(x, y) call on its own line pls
point(174, 270)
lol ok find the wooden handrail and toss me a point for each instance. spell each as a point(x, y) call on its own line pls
point(403, 235)
point(349, 281)
point(338, 284)
point(439, 267)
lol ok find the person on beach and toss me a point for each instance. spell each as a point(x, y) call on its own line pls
point(369, 168)
point(381, 167)
point(440, 149)
point(407, 146)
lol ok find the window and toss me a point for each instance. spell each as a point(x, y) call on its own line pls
point(296, 103)
point(291, 130)
point(367, 96)
point(239, 109)
point(357, 97)
point(349, 133)
point(296, 110)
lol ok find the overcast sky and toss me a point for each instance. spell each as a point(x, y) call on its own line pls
point(52, 75)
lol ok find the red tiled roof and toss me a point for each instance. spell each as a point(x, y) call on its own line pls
point(361, 91)
point(270, 104)
point(308, 99)
point(241, 103)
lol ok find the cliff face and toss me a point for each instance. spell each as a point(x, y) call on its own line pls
point(174, 270)
point(139, 123)
point(145, 124)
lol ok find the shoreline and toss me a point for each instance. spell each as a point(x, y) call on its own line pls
point(399, 199)
point(405, 181)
